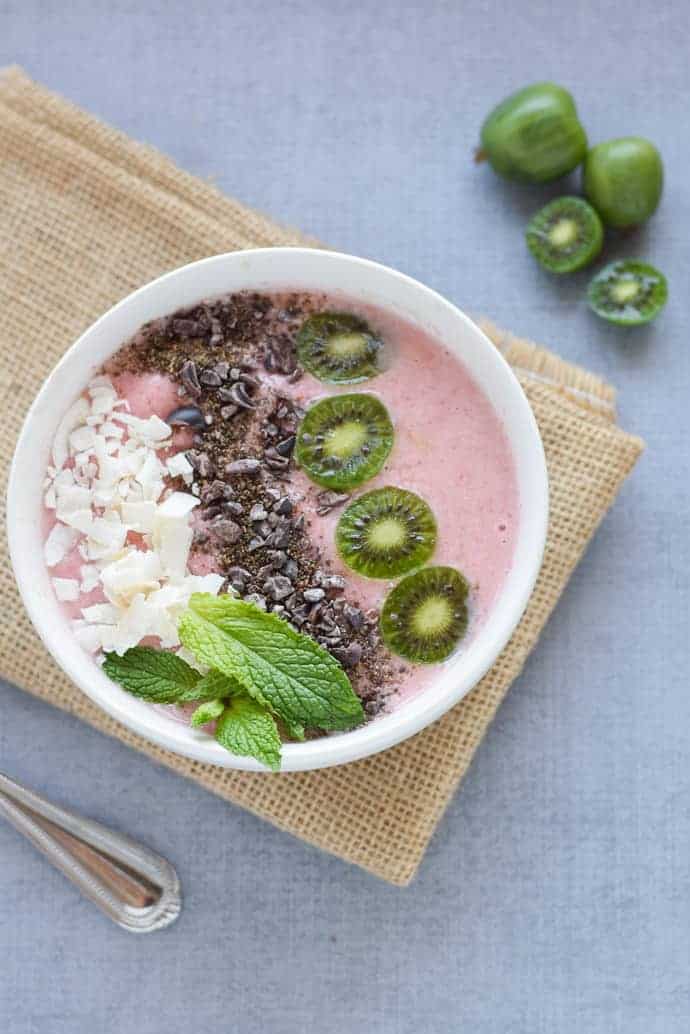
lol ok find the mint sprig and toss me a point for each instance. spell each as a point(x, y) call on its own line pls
point(207, 712)
point(260, 669)
point(153, 675)
point(279, 667)
point(247, 728)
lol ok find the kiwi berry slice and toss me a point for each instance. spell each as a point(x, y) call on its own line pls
point(565, 235)
point(386, 532)
point(425, 615)
point(338, 347)
point(344, 440)
point(628, 293)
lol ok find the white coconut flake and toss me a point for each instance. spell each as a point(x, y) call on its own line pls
point(72, 499)
point(179, 466)
point(137, 571)
point(66, 589)
point(58, 544)
point(82, 439)
point(101, 614)
point(88, 636)
point(139, 516)
point(90, 577)
point(75, 415)
point(133, 626)
point(177, 505)
point(118, 485)
point(151, 429)
point(205, 583)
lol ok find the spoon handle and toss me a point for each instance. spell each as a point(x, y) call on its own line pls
point(135, 887)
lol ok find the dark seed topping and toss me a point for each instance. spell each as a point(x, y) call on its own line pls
point(190, 379)
point(257, 513)
point(283, 506)
point(201, 463)
point(248, 466)
point(327, 500)
point(216, 490)
point(210, 379)
point(187, 328)
point(238, 395)
point(227, 531)
point(287, 446)
point(278, 587)
point(189, 416)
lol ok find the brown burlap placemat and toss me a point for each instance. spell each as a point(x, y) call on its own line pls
point(86, 215)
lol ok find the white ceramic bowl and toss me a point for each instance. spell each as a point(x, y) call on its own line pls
point(275, 268)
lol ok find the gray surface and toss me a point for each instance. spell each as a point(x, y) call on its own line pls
point(555, 897)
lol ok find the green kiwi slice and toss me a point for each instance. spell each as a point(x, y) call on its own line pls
point(338, 347)
point(386, 532)
point(565, 235)
point(425, 615)
point(628, 293)
point(344, 440)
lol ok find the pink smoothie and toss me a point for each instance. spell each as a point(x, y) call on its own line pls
point(450, 448)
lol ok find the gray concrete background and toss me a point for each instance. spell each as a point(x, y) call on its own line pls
point(555, 897)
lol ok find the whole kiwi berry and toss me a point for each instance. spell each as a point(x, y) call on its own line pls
point(624, 179)
point(534, 135)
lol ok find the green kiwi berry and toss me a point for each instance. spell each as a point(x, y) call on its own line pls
point(338, 347)
point(344, 440)
point(534, 135)
point(565, 235)
point(624, 179)
point(386, 533)
point(425, 615)
point(628, 293)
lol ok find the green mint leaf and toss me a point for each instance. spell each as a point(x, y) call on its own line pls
point(154, 675)
point(213, 686)
point(281, 668)
point(246, 728)
point(207, 712)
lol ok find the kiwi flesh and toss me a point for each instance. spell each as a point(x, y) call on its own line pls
point(386, 533)
point(565, 235)
point(338, 347)
point(425, 615)
point(628, 293)
point(344, 440)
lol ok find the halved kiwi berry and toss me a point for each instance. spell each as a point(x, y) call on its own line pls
point(344, 440)
point(338, 347)
point(386, 532)
point(628, 293)
point(425, 615)
point(565, 235)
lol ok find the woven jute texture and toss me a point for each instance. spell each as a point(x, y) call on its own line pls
point(86, 215)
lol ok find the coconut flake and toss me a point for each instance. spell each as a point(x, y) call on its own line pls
point(151, 429)
point(75, 415)
point(88, 636)
point(66, 589)
point(58, 544)
point(82, 439)
point(101, 614)
point(179, 466)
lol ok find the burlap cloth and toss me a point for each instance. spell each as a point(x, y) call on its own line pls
point(86, 215)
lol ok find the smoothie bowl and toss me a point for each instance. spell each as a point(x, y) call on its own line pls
point(278, 509)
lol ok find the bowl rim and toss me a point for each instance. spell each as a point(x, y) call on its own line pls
point(409, 717)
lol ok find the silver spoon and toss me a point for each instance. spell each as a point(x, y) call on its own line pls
point(135, 887)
